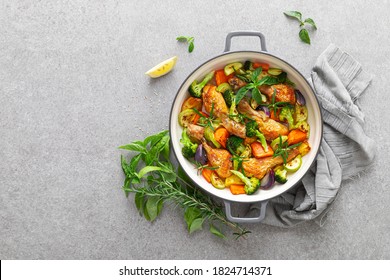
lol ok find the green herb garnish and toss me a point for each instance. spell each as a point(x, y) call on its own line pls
point(189, 40)
point(303, 33)
point(283, 149)
point(274, 106)
point(205, 121)
point(155, 181)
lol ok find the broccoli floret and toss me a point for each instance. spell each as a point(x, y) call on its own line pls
point(188, 150)
point(281, 175)
point(286, 114)
point(195, 89)
point(248, 65)
point(252, 130)
point(229, 97)
point(230, 100)
point(235, 145)
point(251, 184)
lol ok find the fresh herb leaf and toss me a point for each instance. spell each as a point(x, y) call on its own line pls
point(196, 225)
point(189, 40)
point(255, 74)
point(304, 35)
point(216, 231)
point(294, 14)
point(311, 22)
point(139, 200)
point(257, 95)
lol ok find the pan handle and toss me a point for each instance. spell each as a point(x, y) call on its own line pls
point(230, 35)
point(258, 219)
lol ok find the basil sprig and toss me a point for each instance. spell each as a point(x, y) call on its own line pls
point(255, 82)
point(303, 33)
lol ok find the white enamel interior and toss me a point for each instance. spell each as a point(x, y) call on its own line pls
point(314, 120)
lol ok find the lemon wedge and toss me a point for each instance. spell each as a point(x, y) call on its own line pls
point(162, 68)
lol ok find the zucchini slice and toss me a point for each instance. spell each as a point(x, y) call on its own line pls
point(232, 67)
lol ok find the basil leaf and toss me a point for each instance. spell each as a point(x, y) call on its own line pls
point(216, 231)
point(241, 93)
point(196, 225)
point(152, 207)
point(136, 146)
point(304, 35)
point(153, 139)
point(139, 200)
point(294, 14)
point(257, 95)
point(154, 152)
point(182, 38)
point(255, 74)
point(190, 215)
point(311, 22)
point(191, 47)
point(148, 169)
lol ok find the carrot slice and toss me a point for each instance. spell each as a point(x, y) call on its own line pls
point(206, 173)
point(237, 189)
point(273, 116)
point(220, 77)
point(258, 151)
point(221, 135)
point(295, 136)
point(265, 66)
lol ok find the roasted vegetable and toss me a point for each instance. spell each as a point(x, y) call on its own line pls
point(280, 175)
point(195, 88)
point(189, 148)
point(252, 130)
point(200, 155)
point(286, 114)
point(216, 181)
point(235, 145)
point(229, 97)
point(209, 135)
point(300, 113)
point(251, 184)
point(186, 117)
point(268, 181)
point(294, 164)
point(232, 67)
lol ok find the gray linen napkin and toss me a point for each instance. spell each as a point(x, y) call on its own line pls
point(338, 80)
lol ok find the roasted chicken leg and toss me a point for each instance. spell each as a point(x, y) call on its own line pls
point(270, 128)
point(220, 158)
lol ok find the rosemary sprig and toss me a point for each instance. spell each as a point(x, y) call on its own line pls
point(155, 181)
point(200, 166)
point(283, 149)
point(205, 121)
point(274, 106)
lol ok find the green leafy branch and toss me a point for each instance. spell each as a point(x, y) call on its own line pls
point(154, 180)
point(190, 40)
point(303, 33)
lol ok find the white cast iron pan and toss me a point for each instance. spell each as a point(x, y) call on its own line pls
point(314, 120)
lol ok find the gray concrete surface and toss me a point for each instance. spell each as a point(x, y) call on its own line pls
point(72, 89)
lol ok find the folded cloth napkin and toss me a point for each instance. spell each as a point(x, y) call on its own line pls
point(338, 80)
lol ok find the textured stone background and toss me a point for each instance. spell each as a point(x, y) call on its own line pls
point(72, 89)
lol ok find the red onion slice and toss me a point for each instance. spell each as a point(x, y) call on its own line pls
point(268, 181)
point(300, 99)
point(265, 109)
point(200, 155)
